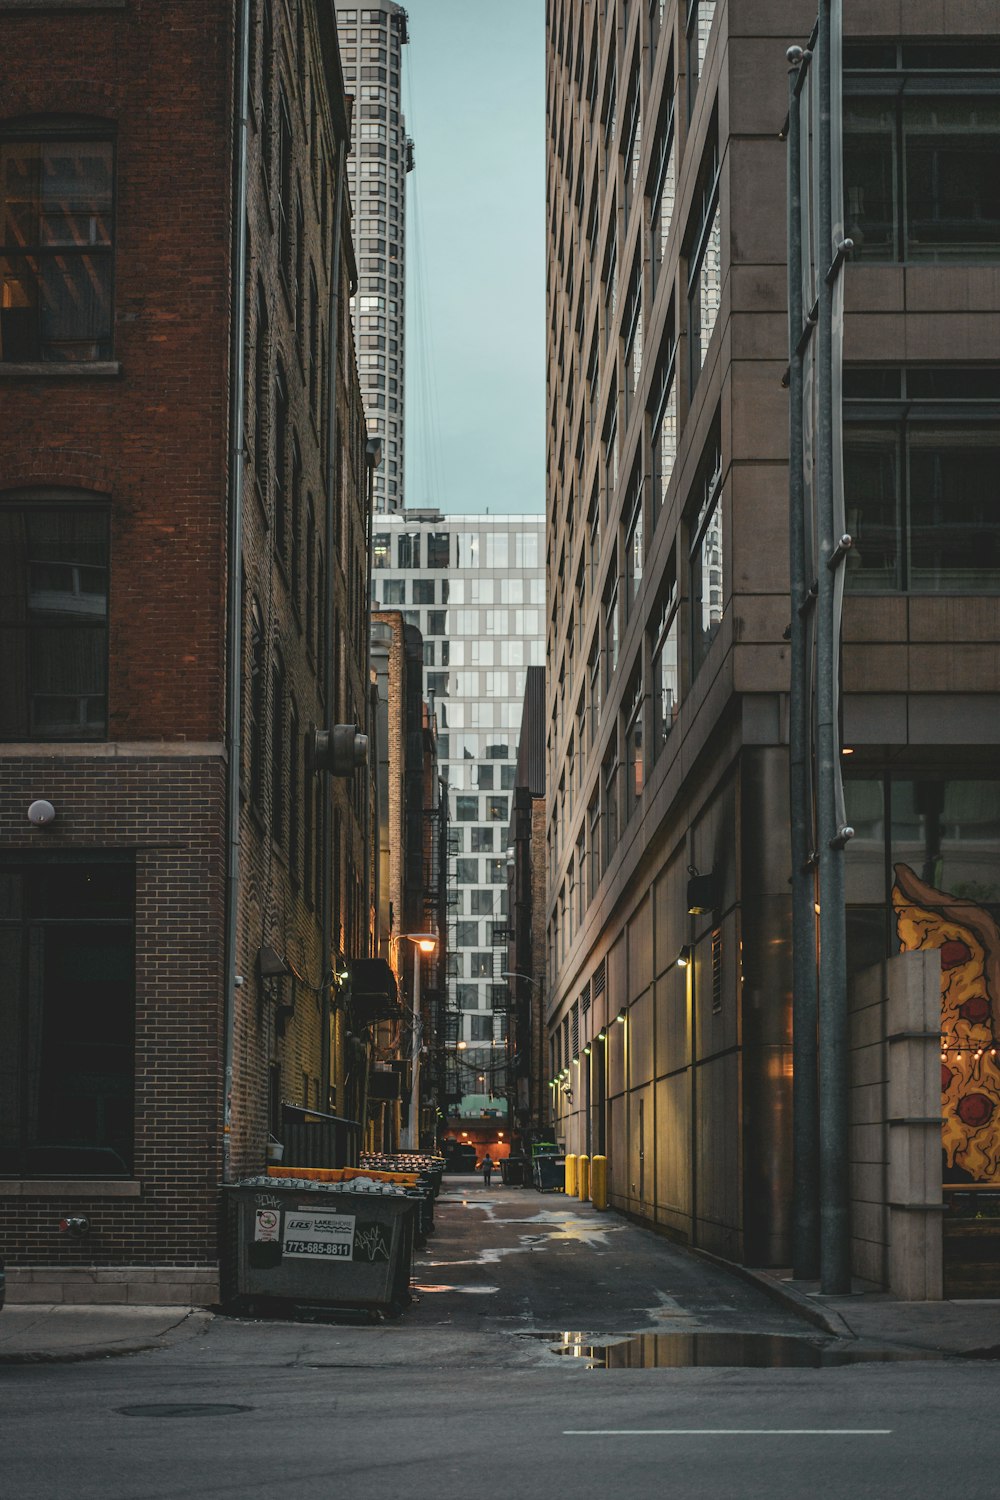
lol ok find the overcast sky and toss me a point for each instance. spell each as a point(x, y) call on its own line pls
point(474, 95)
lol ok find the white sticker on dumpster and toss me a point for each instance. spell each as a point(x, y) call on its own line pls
point(318, 1236)
point(266, 1224)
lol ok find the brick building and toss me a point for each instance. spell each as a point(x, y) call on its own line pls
point(409, 887)
point(183, 506)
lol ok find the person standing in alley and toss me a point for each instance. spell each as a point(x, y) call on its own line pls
point(487, 1168)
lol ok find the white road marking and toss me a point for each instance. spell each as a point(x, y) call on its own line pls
point(731, 1432)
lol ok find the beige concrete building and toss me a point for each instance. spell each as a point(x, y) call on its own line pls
point(669, 1004)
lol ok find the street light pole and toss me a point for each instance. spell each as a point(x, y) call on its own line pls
point(423, 942)
point(411, 1135)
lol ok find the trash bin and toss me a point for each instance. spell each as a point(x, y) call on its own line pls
point(549, 1173)
point(512, 1170)
point(316, 1244)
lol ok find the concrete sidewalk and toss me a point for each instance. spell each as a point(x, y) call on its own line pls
point(34, 1333)
point(965, 1327)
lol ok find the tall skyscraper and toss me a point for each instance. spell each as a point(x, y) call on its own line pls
point(372, 38)
point(475, 587)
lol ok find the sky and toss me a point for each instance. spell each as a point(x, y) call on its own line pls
point(474, 98)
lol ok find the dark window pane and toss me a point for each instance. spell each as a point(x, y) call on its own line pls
point(871, 499)
point(102, 891)
point(67, 1019)
point(952, 147)
point(870, 177)
point(953, 383)
point(871, 383)
point(56, 202)
point(879, 55)
point(53, 623)
point(979, 56)
point(79, 1082)
point(954, 512)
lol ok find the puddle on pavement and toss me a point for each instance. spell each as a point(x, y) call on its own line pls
point(472, 1291)
point(656, 1351)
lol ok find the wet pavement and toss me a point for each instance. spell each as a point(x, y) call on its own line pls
point(551, 1349)
point(511, 1261)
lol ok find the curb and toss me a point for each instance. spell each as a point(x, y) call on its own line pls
point(90, 1352)
point(781, 1291)
point(74, 1356)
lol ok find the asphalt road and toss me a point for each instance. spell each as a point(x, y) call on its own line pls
point(466, 1396)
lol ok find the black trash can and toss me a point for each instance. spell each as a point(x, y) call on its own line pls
point(550, 1173)
point(316, 1245)
point(512, 1170)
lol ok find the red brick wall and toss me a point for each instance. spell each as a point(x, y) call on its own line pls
point(155, 437)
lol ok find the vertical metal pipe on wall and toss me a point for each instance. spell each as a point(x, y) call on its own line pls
point(835, 1264)
point(805, 1143)
point(327, 604)
point(234, 564)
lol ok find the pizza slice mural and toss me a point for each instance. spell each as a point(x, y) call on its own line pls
point(968, 940)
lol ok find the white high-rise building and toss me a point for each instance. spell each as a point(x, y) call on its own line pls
point(475, 587)
point(371, 43)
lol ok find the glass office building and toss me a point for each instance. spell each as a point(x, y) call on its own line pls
point(475, 587)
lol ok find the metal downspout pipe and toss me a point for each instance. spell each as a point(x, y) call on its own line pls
point(234, 568)
point(805, 1142)
point(834, 1138)
point(327, 605)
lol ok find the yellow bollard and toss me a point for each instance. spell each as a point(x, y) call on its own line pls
point(583, 1178)
point(570, 1187)
point(599, 1182)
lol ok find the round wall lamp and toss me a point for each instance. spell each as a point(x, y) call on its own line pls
point(40, 813)
point(685, 956)
point(620, 1017)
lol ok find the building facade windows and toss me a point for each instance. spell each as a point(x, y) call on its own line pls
point(663, 182)
point(700, 14)
point(67, 1015)
point(57, 205)
point(921, 147)
point(635, 763)
point(706, 553)
point(919, 482)
point(53, 619)
point(704, 257)
point(664, 419)
point(665, 678)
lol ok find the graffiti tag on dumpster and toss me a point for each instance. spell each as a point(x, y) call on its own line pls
point(318, 1236)
point(370, 1242)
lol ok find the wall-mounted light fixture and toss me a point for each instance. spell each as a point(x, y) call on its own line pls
point(586, 1050)
point(685, 956)
point(621, 1016)
point(602, 1035)
point(40, 813)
